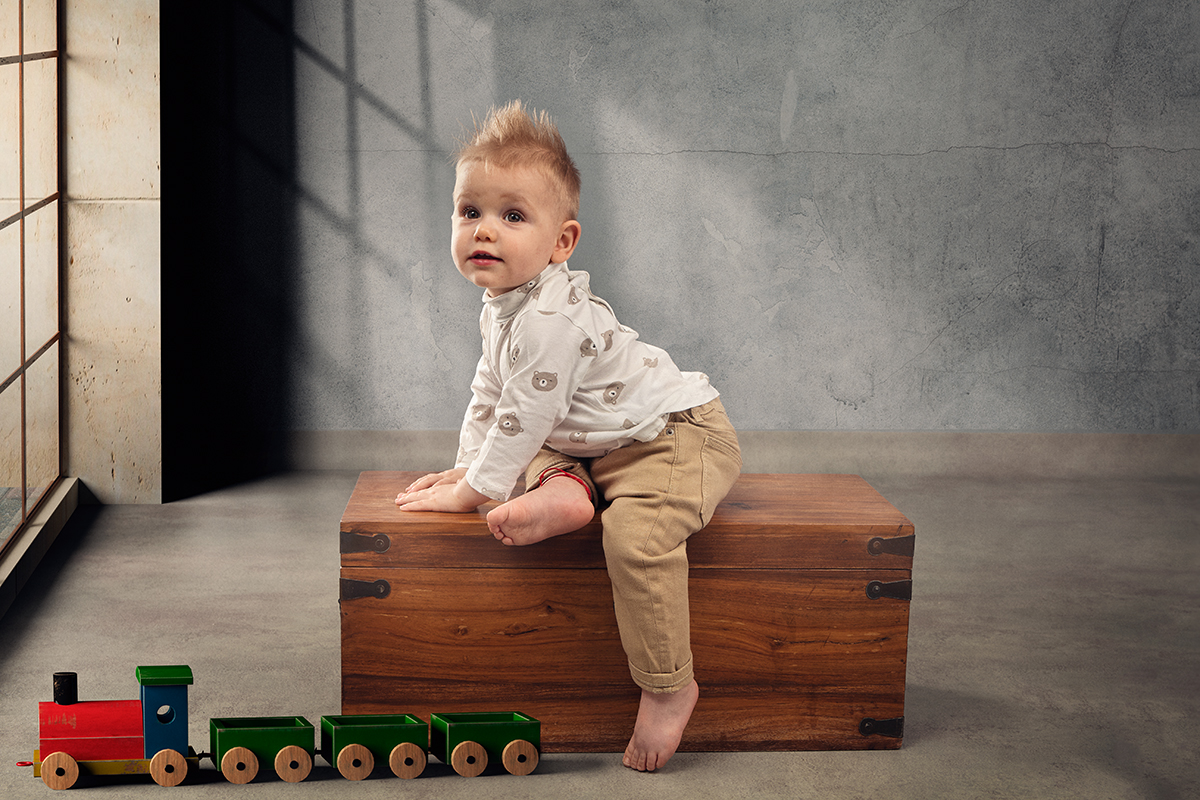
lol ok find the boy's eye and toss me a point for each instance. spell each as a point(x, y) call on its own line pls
point(470, 213)
point(513, 216)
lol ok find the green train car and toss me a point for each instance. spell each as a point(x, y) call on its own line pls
point(467, 741)
point(355, 742)
point(239, 744)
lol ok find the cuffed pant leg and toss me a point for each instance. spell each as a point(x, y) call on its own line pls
point(659, 494)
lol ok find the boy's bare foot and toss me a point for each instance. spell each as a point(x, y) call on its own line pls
point(556, 507)
point(660, 722)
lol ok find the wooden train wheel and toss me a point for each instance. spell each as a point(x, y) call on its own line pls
point(293, 763)
point(60, 771)
point(239, 765)
point(407, 760)
point(520, 757)
point(355, 762)
point(168, 768)
point(469, 759)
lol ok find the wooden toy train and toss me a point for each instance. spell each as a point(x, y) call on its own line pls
point(149, 735)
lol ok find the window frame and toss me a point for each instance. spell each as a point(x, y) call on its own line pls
point(18, 380)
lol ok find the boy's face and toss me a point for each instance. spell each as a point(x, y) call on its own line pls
point(508, 226)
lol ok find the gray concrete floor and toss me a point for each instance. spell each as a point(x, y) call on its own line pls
point(1054, 646)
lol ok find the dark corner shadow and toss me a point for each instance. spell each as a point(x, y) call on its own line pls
point(17, 624)
point(228, 176)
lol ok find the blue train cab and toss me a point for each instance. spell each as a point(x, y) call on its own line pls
point(164, 698)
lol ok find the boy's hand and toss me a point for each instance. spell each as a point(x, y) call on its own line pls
point(434, 478)
point(441, 491)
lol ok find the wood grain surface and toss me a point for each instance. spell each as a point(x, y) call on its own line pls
point(806, 648)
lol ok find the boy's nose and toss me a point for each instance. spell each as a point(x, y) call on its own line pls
point(483, 231)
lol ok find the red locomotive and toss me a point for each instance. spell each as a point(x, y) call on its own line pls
point(117, 737)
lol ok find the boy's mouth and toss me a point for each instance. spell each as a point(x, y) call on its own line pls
point(481, 256)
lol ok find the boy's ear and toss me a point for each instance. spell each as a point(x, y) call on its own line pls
point(568, 237)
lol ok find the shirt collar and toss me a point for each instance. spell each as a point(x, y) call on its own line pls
point(509, 303)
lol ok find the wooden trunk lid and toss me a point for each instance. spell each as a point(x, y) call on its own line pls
point(766, 522)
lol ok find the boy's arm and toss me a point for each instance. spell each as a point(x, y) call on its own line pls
point(480, 415)
point(449, 490)
point(550, 364)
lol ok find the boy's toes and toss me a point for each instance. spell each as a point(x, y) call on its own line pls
point(496, 520)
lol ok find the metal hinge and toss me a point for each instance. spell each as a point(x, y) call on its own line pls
point(354, 590)
point(892, 546)
point(364, 543)
point(893, 728)
point(896, 590)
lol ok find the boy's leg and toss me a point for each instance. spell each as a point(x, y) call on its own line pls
point(558, 499)
point(659, 493)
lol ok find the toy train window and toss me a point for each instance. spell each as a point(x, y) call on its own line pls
point(165, 714)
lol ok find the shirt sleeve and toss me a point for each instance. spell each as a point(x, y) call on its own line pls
point(481, 413)
point(549, 358)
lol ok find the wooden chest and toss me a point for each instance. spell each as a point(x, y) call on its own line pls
point(799, 590)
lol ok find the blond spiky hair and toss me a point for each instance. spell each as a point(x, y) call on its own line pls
point(513, 136)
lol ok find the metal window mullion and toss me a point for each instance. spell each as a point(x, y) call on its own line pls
point(22, 59)
point(21, 245)
point(28, 212)
point(19, 371)
point(60, 216)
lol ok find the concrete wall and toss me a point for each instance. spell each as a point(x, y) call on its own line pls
point(111, 243)
point(855, 216)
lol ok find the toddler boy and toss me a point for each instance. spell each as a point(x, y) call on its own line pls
point(592, 416)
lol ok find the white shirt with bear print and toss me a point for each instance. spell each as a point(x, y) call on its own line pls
point(558, 369)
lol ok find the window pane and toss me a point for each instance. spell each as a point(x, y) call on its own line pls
point(10, 300)
point(41, 277)
point(41, 129)
point(10, 186)
point(10, 460)
point(40, 25)
point(41, 419)
point(8, 29)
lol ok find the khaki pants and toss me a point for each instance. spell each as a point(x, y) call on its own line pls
point(653, 496)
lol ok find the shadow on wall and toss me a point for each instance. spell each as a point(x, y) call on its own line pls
point(234, 209)
point(228, 173)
